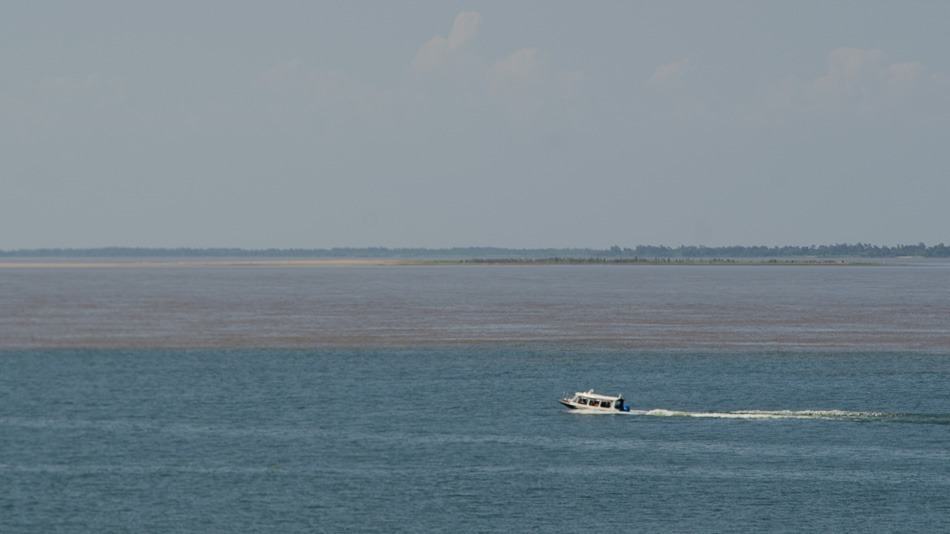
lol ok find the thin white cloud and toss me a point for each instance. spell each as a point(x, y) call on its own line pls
point(899, 73)
point(439, 49)
point(530, 90)
point(464, 28)
point(863, 82)
point(669, 73)
point(857, 72)
point(520, 68)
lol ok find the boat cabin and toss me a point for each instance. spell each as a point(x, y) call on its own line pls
point(590, 400)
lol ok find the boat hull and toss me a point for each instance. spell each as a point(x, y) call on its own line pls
point(586, 408)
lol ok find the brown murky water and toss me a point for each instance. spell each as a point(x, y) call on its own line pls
point(905, 307)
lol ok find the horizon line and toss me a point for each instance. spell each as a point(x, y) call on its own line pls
point(835, 249)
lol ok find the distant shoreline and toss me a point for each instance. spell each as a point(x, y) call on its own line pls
point(667, 261)
point(640, 254)
point(132, 263)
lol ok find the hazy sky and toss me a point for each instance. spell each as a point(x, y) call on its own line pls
point(522, 124)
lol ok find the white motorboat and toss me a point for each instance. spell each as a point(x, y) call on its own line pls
point(595, 402)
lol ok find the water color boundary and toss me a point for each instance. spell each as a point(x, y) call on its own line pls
point(138, 263)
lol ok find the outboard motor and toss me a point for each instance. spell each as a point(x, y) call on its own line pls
point(622, 405)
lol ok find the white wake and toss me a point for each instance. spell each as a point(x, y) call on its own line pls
point(765, 414)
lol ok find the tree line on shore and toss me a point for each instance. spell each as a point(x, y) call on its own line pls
point(842, 250)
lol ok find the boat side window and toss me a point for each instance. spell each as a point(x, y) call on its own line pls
point(582, 401)
point(605, 404)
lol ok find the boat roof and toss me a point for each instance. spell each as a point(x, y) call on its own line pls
point(591, 395)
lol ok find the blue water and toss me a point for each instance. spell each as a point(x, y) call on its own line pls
point(472, 439)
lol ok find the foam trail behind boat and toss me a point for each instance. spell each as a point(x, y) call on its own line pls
point(838, 415)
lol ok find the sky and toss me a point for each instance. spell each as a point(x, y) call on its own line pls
point(438, 123)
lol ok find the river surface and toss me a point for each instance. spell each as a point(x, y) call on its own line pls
point(407, 399)
point(660, 307)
